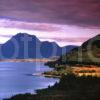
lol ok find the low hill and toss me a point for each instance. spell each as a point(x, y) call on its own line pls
point(87, 53)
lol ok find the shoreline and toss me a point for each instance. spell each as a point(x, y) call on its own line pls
point(26, 60)
point(45, 75)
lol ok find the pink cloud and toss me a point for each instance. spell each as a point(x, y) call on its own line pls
point(67, 39)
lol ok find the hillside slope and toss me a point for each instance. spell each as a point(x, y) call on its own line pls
point(87, 53)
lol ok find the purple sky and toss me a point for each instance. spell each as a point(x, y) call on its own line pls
point(67, 22)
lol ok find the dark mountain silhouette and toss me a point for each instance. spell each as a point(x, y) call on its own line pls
point(24, 45)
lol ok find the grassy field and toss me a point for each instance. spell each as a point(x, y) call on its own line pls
point(87, 71)
point(77, 70)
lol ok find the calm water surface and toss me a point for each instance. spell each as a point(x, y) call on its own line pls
point(17, 78)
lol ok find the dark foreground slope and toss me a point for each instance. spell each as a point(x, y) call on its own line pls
point(69, 88)
point(24, 45)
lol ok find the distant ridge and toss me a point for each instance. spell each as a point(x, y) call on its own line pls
point(24, 45)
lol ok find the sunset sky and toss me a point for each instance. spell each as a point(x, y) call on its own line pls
point(67, 22)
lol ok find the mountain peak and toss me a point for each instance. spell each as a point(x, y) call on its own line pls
point(24, 34)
